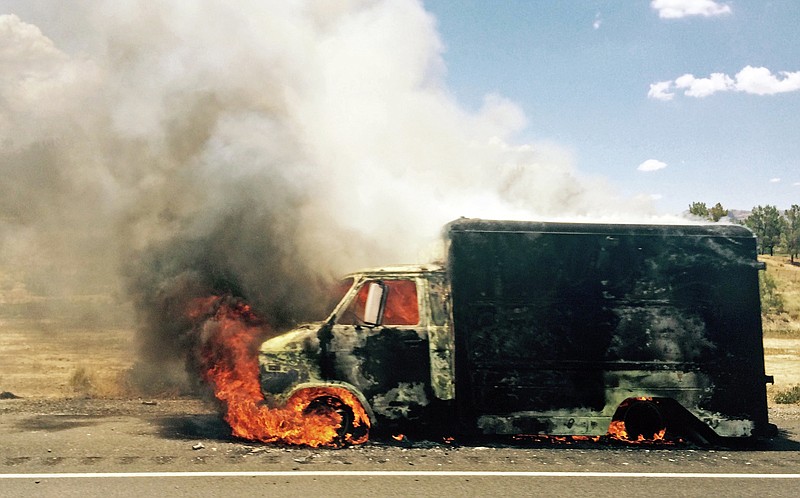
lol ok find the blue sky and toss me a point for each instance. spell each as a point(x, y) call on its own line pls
point(627, 88)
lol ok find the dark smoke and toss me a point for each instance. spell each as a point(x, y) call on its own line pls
point(247, 255)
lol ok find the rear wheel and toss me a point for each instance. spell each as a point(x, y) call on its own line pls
point(638, 419)
point(643, 420)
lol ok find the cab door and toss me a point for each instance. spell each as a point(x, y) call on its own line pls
point(380, 344)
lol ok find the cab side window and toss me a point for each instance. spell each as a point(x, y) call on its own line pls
point(401, 303)
point(401, 306)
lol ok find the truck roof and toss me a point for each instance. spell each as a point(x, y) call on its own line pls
point(398, 270)
point(699, 229)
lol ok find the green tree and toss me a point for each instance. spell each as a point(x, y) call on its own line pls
point(771, 300)
point(714, 214)
point(717, 212)
point(766, 222)
point(791, 233)
point(699, 209)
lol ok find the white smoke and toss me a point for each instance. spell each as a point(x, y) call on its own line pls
point(311, 131)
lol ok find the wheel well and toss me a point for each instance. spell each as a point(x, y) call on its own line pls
point(333, 387)
point(645, 418)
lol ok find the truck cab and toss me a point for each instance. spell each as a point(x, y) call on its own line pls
point(389, 341)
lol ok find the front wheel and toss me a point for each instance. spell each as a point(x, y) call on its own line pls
point(327, 405)
point(350, 429)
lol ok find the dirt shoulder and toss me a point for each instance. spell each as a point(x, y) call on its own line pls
point(115, 435)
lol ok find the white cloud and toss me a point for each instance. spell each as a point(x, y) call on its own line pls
point(661, 91)
point(703, 87)
point(796, 184)
point(774, 180)
point(652, 165)
point(760, 81)
point(752, 80)
point(598, 21)
point(676, 9)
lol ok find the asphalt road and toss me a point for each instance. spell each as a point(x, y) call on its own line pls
point(180, 448)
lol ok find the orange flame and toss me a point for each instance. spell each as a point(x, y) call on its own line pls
point(229, 364)
point(616, 430)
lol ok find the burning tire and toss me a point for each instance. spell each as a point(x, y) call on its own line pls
point(327, 405)
point(352, 423)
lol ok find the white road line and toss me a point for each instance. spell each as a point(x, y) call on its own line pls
point(399, 473)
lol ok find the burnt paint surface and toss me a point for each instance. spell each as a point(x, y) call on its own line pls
point(378, 358)
point(571, 319)
point(288, 360)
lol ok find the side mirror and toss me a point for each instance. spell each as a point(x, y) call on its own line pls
point(376, 300)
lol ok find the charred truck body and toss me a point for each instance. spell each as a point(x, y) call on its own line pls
point(549, 328)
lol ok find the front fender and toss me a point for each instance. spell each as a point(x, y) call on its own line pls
point(333, 386)
point(289, 360)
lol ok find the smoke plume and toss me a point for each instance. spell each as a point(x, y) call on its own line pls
point(161, 151)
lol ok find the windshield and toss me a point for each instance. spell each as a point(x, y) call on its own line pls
point(337, 292)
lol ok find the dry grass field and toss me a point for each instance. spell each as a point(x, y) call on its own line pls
point(783, 317)
point(48, 361)
point(782, 327)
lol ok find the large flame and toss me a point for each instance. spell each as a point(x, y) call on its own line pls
point(230, 334)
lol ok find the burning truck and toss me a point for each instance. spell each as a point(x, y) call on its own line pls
point(638, 331)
